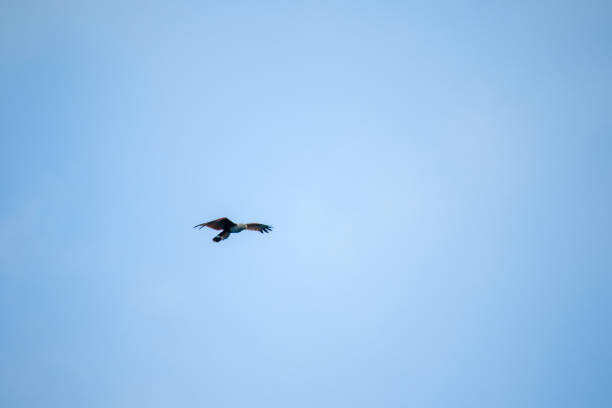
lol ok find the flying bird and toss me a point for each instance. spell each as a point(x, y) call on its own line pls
point(228, 227)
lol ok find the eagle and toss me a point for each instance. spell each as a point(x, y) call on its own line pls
point(227, 227)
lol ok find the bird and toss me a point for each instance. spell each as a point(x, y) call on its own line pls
point(228, 227)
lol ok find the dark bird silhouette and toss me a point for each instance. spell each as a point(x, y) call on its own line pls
point(228, 227)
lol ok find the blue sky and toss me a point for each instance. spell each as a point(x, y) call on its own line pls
point(437, 173)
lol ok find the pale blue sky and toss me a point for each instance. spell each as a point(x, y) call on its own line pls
point(437, 173)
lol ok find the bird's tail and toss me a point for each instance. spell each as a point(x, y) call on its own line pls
point(222, 235)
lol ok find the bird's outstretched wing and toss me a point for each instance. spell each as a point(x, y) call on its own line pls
point(259, 227)
point(218, 224)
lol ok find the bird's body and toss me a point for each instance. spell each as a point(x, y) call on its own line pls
point(228, 227)
point(238, 228)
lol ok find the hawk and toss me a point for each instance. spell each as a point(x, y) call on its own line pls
point(227, 227)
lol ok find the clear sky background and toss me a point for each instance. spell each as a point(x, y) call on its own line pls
point(438, 175)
